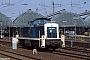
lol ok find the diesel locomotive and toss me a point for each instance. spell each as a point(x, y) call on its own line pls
point(41, 34)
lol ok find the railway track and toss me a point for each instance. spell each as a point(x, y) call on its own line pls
point(73, 52)
point(16, 56)
point(79, 49)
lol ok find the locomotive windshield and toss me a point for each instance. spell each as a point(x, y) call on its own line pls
point(51, 32)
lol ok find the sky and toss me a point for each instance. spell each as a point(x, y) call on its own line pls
point(13, 8)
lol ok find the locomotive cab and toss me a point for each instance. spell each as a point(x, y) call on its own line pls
point(52, 39)
point(51, 30)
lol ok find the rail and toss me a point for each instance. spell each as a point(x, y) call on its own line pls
point(16, 55)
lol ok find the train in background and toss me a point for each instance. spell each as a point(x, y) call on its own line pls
point(42, 33)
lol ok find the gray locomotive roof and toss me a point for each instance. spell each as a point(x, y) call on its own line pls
point(5, 21)
point(26, 17)
point(64, 18)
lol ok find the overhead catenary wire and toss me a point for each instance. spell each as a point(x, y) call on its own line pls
point(9, 3)
point(42, 11)
point(3, 7)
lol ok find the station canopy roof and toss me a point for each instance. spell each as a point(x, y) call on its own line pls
point(87, 21)
point(24, 19)
point(64, 18)
point(5, 21)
